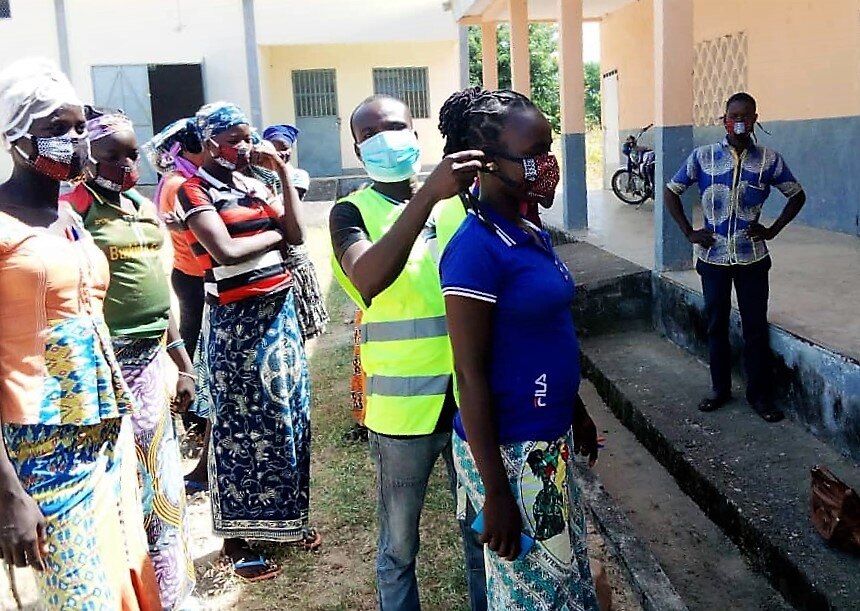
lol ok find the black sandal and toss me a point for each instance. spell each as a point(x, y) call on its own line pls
point(768, 411)
point(714, 402)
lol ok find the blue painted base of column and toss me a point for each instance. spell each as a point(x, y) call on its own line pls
point(672, 146)
point(575, 201)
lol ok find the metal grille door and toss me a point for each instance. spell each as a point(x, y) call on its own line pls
point(315, 96)
point(315, 92)
point(407, 84)
point(127, 88)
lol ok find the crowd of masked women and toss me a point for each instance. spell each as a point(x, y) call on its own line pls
point(92, 493)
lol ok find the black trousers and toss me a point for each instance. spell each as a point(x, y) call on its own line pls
point(189, 292)
point(751, 284)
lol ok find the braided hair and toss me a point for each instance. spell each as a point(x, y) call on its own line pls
point(474, 118)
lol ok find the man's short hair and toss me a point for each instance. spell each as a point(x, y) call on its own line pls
point(743, 97)
point(369, 100)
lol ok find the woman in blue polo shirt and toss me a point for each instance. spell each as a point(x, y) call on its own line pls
point(508, 299)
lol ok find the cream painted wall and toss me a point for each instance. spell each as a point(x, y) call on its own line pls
point(627, 45)
point(31, 32)
point(803, 56)
point(354, 65)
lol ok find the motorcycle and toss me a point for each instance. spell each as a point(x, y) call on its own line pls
point(634, 183)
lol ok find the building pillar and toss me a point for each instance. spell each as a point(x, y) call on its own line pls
point(575, 200)
point(673, 134)
point(463, 44)
point(252, 63)
point(63, 37)
point(520, 68)
point(490, 55)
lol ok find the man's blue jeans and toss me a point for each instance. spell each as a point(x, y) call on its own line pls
point(403, 468)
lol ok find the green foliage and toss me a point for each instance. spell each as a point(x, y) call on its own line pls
point(543, 61)
point(592, 95)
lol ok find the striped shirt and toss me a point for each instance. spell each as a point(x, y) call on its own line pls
point(247, 208)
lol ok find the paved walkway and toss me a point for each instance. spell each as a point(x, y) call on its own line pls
point(815, 280)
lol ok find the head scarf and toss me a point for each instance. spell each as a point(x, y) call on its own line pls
point(107, 124)
point(216, 118)
point(287, 133)
point(300, 179)
point(162, 151)
point(31, 89)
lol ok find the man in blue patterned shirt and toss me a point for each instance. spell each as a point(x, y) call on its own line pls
point(735, 177)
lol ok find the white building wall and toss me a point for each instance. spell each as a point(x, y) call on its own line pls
point(210, 32)
point(305, 22)
point(31, 32)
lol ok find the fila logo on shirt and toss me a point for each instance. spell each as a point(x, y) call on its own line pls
point(540, 391)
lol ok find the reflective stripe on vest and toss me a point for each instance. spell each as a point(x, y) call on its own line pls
point(395, 330)
point(405, 351)
point(416, 386)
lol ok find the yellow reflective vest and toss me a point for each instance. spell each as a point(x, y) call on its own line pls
point(405, 351)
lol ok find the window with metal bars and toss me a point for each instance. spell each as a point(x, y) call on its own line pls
point(315, 93)
point(407, 84)
point(5, 9)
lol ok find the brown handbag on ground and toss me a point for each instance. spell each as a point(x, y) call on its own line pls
point(835, 510)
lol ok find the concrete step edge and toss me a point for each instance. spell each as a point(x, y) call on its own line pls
point(768, 558)
point(643, 571)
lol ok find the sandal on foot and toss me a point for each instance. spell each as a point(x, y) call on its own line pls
point(714, 402)
point(310, 542)
point(768, 411)
point(271, 570)
point(192, 486)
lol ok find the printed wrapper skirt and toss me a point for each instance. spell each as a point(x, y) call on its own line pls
point(159, 468)
point(259, 458)
point(82, 479)
point(555, 575)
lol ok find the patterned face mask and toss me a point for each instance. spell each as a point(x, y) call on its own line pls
point(58, 157)
point(541, 174)
point(114, 176)
point(738, 128)
point(233, 157)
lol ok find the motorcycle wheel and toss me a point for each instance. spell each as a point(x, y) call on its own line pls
point(629, 187)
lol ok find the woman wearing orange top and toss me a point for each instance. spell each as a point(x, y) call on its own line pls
point(62, 396)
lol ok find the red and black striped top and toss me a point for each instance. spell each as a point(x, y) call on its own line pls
point(247, 208)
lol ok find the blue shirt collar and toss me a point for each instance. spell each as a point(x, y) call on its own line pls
point(509, 233)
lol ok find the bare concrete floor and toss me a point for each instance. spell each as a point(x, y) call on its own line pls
point(815, 279)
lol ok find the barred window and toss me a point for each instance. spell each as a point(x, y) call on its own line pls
point(5, 9)
point(407, 84)
point(315, 92)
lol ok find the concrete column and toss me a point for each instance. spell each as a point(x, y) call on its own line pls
point(520, 69)
point(253, 64)
point(572, 114)
point(673, 134)
point(63, 37)
point(490, 55)
point(463, 44)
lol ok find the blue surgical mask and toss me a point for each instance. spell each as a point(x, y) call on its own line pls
point(391, 156)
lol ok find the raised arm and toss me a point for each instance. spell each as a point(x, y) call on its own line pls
point(373, 266)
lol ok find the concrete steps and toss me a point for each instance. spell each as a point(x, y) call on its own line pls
point(749, 477)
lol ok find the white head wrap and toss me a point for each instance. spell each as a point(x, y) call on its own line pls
point(31, 89)
point(300, 179)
